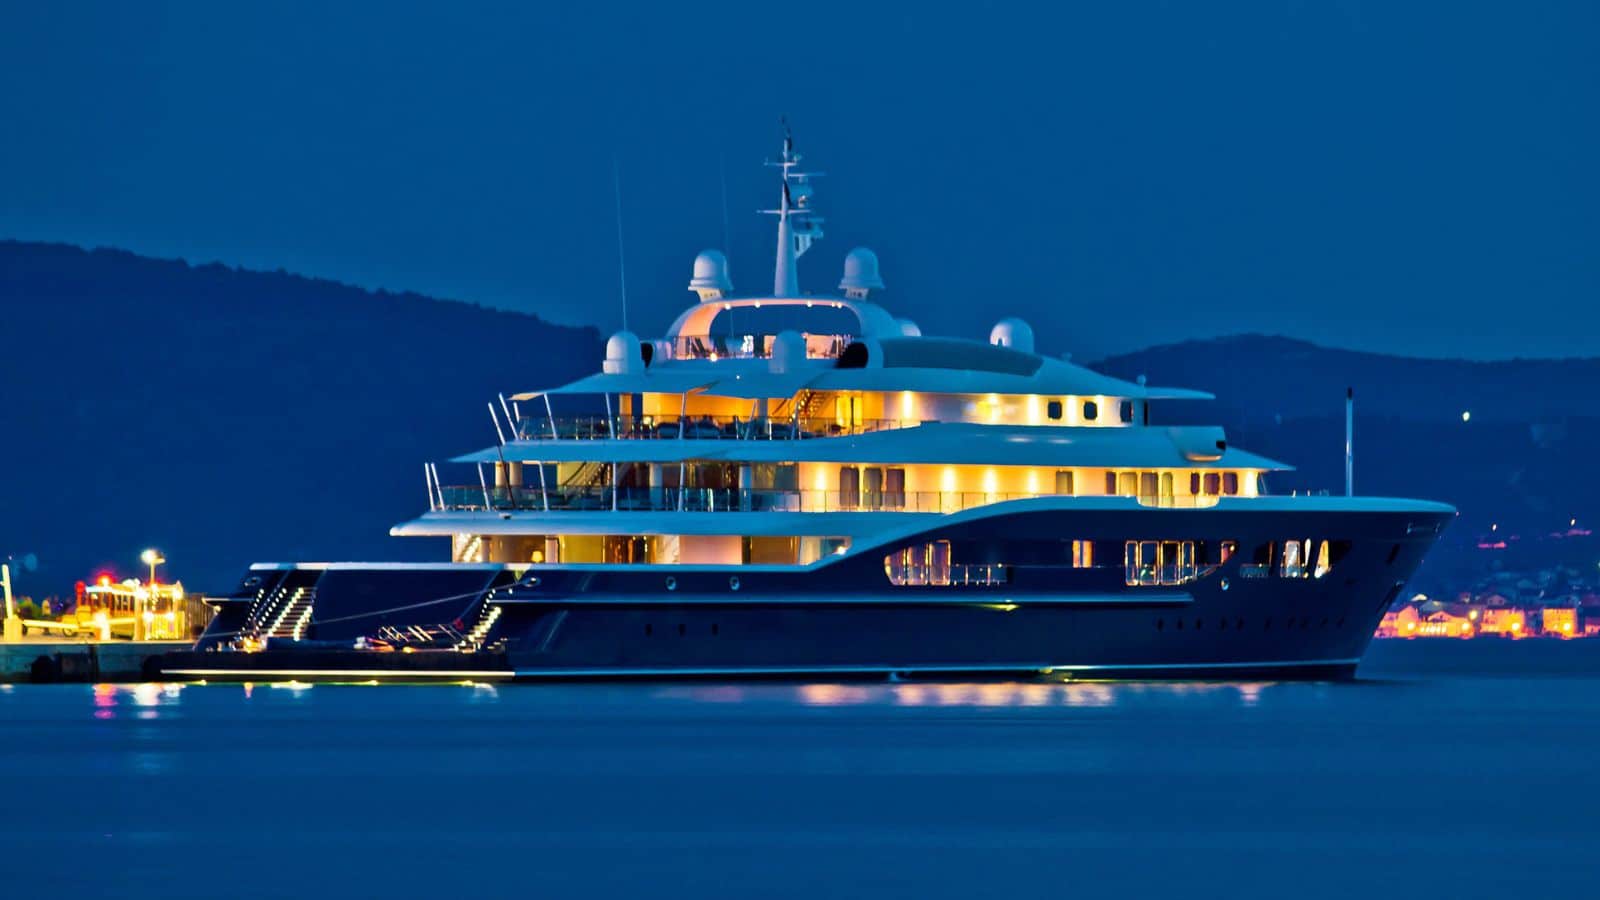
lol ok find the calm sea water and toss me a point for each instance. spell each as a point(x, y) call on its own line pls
point(1452, 769)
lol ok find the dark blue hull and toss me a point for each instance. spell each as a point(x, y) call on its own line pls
point(1034, 610)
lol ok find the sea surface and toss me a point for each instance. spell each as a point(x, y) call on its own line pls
point(1450, 769)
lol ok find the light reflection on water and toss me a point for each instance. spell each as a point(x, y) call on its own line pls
point(149, 699)
point(772, 789)
point(1020, 694)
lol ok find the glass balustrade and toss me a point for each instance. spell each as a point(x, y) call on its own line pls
point(672, 499)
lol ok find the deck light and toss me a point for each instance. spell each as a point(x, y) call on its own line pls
point(1466, 415)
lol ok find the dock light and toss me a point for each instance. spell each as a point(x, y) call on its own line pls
point(1466, 415)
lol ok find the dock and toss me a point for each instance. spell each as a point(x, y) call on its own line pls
point(46, 660)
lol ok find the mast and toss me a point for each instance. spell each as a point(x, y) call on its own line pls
point(798, 227)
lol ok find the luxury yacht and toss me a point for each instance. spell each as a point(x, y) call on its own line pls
point(802, 484)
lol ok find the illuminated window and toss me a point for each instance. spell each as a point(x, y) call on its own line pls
point(1213, 484)
point(1082, 554)
point(1111, 483)
point(1194, 482)
point(1064, 483)
point(1159, 562)
point(1230, 483)
point(1294, 562)
point(929, 564)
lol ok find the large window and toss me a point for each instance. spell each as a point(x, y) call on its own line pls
point(930, 564)
point(1159, 562)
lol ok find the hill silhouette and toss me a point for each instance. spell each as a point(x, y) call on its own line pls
point(230, 416)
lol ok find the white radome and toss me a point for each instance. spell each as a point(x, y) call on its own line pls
point(711, 279)
point(860, 273)
point(622, 354)
point(1014, 333)
point(788, 352)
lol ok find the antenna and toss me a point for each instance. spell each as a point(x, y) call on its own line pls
point(722, 166)
point(1349, 441)
point(622, 259)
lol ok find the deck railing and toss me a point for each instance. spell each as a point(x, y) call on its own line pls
point(752, 346)
point(636, 499)
point(705, 428)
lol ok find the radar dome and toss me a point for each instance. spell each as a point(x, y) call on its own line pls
point(1013, 333)
point(860, 273)
point(788, 351)
point(908, 328)
point(711, 279)
point(623, 354)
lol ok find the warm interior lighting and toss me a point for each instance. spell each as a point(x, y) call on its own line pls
point(905, 404)
point(1033, 409)
point(947, 479)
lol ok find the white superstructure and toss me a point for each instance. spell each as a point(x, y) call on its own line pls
point(779, 429)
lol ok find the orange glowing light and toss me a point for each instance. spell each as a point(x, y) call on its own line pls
point(104, 581)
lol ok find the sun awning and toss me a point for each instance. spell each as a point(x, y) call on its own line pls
point(660, 381)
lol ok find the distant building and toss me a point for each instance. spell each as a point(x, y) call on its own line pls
point(1559, 621)
point(1452, 623)
point(1504, 621)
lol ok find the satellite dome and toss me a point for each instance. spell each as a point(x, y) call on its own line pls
point(788, 351)
point(623, 354)
point(860, 273)
point(711, 279)
point(908, 328)
point(1012, 332)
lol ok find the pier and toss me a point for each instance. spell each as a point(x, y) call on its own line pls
point(45, 660)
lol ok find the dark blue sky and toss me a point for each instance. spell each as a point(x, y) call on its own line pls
point(1395, 176)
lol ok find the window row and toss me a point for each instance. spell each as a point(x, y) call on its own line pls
point(930, 564)
point(1173, 562)
point(1295, 558)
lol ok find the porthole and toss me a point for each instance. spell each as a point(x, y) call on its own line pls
point(682, 629)
point(733, 582)
point(1161, 624)
point(713, 629)
point(1222, 624)
point(1199, 624)
point(672, 583)
point(648, 629)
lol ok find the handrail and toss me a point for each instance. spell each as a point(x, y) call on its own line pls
point(470, 498)
point(752, 346)
point(534, 428)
